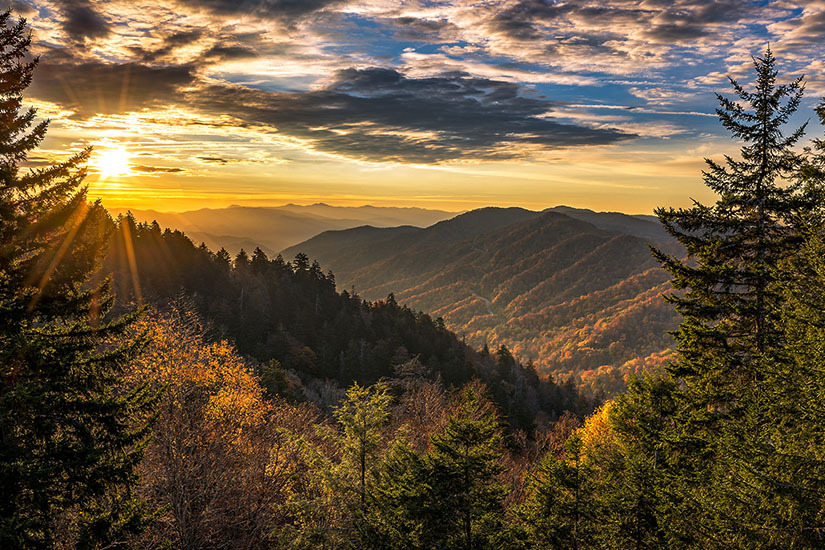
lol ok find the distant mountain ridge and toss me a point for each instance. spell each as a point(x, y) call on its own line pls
point(644, 226)
point(274, 228)
point(575, 290)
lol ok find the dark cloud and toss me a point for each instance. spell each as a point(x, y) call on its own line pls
point(808, 29)
point(215, 160)
point(675, 33)
point(170, 43)
point(669, 21)
point(276, 9)
point(591, 44)
point(414, 28)
point(182, 38)
point(522, 20)
point(704, 12)
point(381, 115)
point(19, 7)
point(90, 88)
point(36, 161)
point(228, 52)
point(81, 20)
point(155, 169)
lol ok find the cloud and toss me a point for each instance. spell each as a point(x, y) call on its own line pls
point(380, 115)
point(170, 43)
point(90, 88)
point(19, 7)
point(228, 52)
point(617, 36)
point(421, 29)
point(155, 169)
point(275, 9)
point(222, 160)
point(419, 81)
point(81, 20)
point(681, 20)
point(806, 29)
point(215, 160)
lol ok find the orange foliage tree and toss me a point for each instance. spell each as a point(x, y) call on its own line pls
point(223, 458)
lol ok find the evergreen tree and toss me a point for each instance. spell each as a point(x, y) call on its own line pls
point(634, 513)
point(260, 263)
point(733, 244)
point(729, 338)
point(560, 512)
point(223, 259)
point(447, 497)
point(786, 475)
point(362, 414)
point(465, 502)
point(242, 262)
point(69, 438)
point(396, 518)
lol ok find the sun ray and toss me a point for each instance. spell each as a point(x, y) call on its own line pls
point(125, 228)
point(76, 220)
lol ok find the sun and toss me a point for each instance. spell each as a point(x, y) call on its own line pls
point(112, 161)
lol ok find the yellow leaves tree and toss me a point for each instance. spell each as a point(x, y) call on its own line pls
point(223, 457)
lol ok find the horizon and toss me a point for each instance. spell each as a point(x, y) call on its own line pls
point(367, 205)
point(440, 105)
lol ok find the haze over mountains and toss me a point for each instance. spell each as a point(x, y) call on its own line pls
point(275, 228)
point(577, 291)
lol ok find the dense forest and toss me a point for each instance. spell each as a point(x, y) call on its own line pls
point(288, 318)
point(575, 291)
point(243, 402)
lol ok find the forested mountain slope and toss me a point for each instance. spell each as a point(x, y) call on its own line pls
point(578, 299)
point(289, 317)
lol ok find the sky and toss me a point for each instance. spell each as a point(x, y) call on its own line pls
point(438, 104)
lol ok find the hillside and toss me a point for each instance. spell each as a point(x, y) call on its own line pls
point(275, 228)
point(288, 319)
point(578, 299)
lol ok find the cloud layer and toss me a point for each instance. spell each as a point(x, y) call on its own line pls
point(379, 115)
point(413, 82)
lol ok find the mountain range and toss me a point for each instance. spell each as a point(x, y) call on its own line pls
point(575, 291)
point(275, 228)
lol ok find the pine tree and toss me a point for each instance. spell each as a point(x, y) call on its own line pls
point(632, 473)
point(733, 244)
point(560, 512)
point(396, 517)
point(260, 263)
point(448, 497)
point(70, 438)
point(785, 472)
point(465, 502)
point(363, 414)
point(729, 338)
point(242, 262)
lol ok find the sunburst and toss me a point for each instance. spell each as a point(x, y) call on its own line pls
point(112, 161)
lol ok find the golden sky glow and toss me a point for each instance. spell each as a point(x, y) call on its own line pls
point(450, 105)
